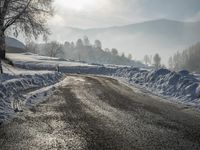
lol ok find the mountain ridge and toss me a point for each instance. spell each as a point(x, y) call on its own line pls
point(161, 36)
point(133, 24)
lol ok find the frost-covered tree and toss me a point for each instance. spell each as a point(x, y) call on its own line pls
point(171, 63)
point(94, 54)
point(24, 16)
point(97, 44)
point(31, 47)
point(27, 16)
point(67, 45)
point(147, 60)
point(79, 43)
point(53, 49)
point(86, 41)
point(188, 59)
point(123, 55)
point(107, 50)
point(72, 45)
point(130, 57)
point(157, 61)
point(114, 51)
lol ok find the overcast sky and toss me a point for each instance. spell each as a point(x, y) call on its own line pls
point(104, 13)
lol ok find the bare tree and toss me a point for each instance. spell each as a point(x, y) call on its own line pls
point(107, 50)
point(114, 51)
point(86, 41)
point(79, 43)
point(171, 63)
point(31, 47)
point(157, 61)
point(27, 16)
point(130, 57)
point(123, 55)
point(147, 60)
point(53, 49)
point(97, 44)
point(188, 59)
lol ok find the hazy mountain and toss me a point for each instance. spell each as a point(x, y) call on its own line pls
point(14, 46)
point(161, 36)
point(12, 42)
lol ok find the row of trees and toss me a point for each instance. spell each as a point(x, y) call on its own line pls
point(153, 60)
point(83, 50)
point(188, 59)
point(84, 44)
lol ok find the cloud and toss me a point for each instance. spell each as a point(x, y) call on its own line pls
point(88, 14)
point(103, 13)
point(171, 9)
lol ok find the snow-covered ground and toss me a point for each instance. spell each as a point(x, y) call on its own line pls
point(8, 69)
point(34, 61)
point(38, 72)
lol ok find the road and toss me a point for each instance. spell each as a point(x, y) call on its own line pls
point(99, 113)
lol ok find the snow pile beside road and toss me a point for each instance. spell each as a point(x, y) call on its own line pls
point(12, 88)
point(182, 86)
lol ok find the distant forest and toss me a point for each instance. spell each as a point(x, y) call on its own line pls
point(189, 59)
point(83, 50)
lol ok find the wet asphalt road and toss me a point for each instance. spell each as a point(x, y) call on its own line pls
point(98, 113)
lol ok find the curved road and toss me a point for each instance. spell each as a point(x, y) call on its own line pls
point(98, 113)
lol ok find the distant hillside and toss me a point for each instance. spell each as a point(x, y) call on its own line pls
point(162, 36)
point(14, 46)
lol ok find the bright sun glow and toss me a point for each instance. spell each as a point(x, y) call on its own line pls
point(77, 4)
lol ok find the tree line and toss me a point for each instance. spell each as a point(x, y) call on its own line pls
point(83, 50)
point(154, 61)
point(188, 59)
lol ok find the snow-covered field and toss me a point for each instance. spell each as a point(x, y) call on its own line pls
point(34, 61)
point(38, 72)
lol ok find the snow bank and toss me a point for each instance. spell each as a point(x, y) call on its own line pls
point(182, 86)
point(35, 97)
point(12, 88)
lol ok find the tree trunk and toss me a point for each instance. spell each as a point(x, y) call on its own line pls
point(2, 46)
point(2, 50)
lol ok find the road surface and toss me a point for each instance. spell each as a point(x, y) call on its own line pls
point(98, 113)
